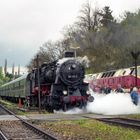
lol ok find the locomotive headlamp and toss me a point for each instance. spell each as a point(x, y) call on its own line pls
point(88, 92)
point(65, 92)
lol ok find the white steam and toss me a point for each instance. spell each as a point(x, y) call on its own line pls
point(72, 111)
point(113, 104)
point(110, 104)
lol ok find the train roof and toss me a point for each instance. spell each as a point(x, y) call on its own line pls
point(115, 72)
point(16, 80)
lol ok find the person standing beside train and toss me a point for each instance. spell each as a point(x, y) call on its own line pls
point(119, 89)
point(107, 90)
point(134, 96)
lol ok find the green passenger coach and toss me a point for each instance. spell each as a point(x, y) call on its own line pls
point(16, 89)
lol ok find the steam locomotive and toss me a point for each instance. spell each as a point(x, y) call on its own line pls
point(59, 85)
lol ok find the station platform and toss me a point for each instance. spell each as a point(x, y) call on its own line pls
point(7, 117)
point(11, 117)
point(54, 117)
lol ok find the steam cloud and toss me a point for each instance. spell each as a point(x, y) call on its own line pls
point(110, 104)
point(113, 104)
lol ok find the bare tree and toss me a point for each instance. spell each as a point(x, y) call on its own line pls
point(48, 52)
point(89, 18)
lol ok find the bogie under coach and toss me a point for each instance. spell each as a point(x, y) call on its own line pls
point(60, 85)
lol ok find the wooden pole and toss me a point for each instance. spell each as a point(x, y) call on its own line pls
point(135, 56)
point(38, 81)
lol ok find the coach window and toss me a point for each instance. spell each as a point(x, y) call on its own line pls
point(113, 73)
point(22, 84)
point(13, 86)
point(9, 87)
point(110, 74)
point(19, 84)
point(124, 72)
point(106, 74)
point(103, 75)
point(132, 71)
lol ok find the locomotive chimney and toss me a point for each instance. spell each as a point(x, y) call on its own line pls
point(69, 54)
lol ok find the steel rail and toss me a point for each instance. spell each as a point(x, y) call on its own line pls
point(131, 123)
point(125, 122)
point(2, 136)
point(29, 125)
point(130, 120)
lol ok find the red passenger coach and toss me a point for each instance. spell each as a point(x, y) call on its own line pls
point(124, 77)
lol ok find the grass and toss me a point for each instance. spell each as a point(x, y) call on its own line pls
point(11, 106)
point(90, 130)
point(14, 107)
point(134, 116)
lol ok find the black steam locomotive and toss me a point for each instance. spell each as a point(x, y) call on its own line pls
point(59, 84)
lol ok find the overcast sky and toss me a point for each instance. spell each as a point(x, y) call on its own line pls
point(26, 24)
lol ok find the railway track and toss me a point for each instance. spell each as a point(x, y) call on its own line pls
point(3, 111)
point(21, 129)
point(125, 122)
